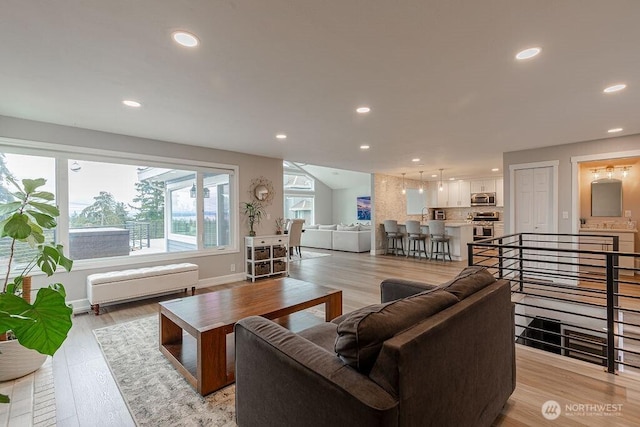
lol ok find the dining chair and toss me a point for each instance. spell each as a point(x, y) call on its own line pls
point(295, 234)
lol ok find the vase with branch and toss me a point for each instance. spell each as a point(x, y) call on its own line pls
point(42, 326)
point(254, 212)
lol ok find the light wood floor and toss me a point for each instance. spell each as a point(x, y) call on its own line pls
point(86, 394)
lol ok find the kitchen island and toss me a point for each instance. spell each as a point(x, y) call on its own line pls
point(461, 234)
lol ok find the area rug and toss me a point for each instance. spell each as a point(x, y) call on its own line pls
point(156, 394)
point(308, 255)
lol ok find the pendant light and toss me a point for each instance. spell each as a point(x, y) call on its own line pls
point(441, 187)
point(404, 189)
point(421, 184)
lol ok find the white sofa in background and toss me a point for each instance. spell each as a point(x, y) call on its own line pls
point(337, 237)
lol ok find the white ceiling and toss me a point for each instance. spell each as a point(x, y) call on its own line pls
point(440, 76)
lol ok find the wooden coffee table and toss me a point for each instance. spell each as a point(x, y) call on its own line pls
point(208, 365)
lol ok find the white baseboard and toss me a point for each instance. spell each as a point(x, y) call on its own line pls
point(83, 305)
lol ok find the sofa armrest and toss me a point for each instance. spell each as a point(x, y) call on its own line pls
point(284, 379)
point(394, 289)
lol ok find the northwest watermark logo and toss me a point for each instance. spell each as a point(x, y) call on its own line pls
point(551, 410)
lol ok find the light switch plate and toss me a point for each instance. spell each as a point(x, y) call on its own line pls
point(565, 215)
point(627, 214)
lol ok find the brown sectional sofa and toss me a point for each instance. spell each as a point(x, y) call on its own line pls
point(427, 356)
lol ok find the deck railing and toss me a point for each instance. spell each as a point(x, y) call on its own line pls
point(575, 295)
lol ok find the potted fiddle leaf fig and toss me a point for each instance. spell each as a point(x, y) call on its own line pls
point(254, 212)
point(38, 328)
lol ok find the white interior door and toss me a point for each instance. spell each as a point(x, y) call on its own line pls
point(534, 190)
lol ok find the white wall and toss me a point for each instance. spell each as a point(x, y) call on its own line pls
point(323, 203)
point(213, 268)
point(344, 204)
point(563, 154)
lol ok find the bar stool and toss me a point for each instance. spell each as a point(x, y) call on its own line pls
point(416, 237)
point(438, 236)
point(394, 236)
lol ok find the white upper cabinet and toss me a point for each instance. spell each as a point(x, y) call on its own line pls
point(500, 192)
point(437, 198)
point(459, 194)
point(483, 186)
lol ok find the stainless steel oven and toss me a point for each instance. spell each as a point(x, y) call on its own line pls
point(483, 199)
point(483, 224)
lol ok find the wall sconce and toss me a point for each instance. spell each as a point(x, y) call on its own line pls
point(193, 191)
point(206, 192)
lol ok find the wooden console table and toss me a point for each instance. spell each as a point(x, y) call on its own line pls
point(210, 318)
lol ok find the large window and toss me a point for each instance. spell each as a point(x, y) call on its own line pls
point(114, 208)
point(299, 196)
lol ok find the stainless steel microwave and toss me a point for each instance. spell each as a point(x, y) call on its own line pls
point(483, 199)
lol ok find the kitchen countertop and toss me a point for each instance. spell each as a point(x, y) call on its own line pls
point(608, 230)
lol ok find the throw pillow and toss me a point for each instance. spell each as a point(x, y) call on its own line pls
point(469, 281)
point(311, 227)
point(327, 227)
point(362, 332)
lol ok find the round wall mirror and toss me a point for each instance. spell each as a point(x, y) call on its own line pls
point(261, 193)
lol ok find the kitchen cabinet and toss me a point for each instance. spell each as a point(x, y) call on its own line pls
point(596, 263)
point(437, 198)
point(483, 186)
point(459, 194)
point(500, 192)
point(266, 256)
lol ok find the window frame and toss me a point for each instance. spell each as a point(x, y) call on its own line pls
point(63, 153)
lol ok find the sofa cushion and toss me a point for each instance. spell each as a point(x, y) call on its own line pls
point(311, 227)
point(469, 281)
point(348, 227)
point(362, 332)
point(322, 334)
point(327, 227)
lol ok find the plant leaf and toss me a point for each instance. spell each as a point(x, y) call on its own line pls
point(4, 398)
point(45, 208)
point(43, 220)
point(44, 195)
point(9, 207)
point(12, 312)
point(18, 226)
point(50, 257)
point(30, 185)
point(52, 321)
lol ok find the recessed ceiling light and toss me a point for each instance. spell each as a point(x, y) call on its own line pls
point(131, 103)
point(495, 170)
point(614, 130)
point(281, 136)
point(364, 147)
point(363, 110)
point(415, 160)
point(614, 88)
point(185, 39)
point(528, 53)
